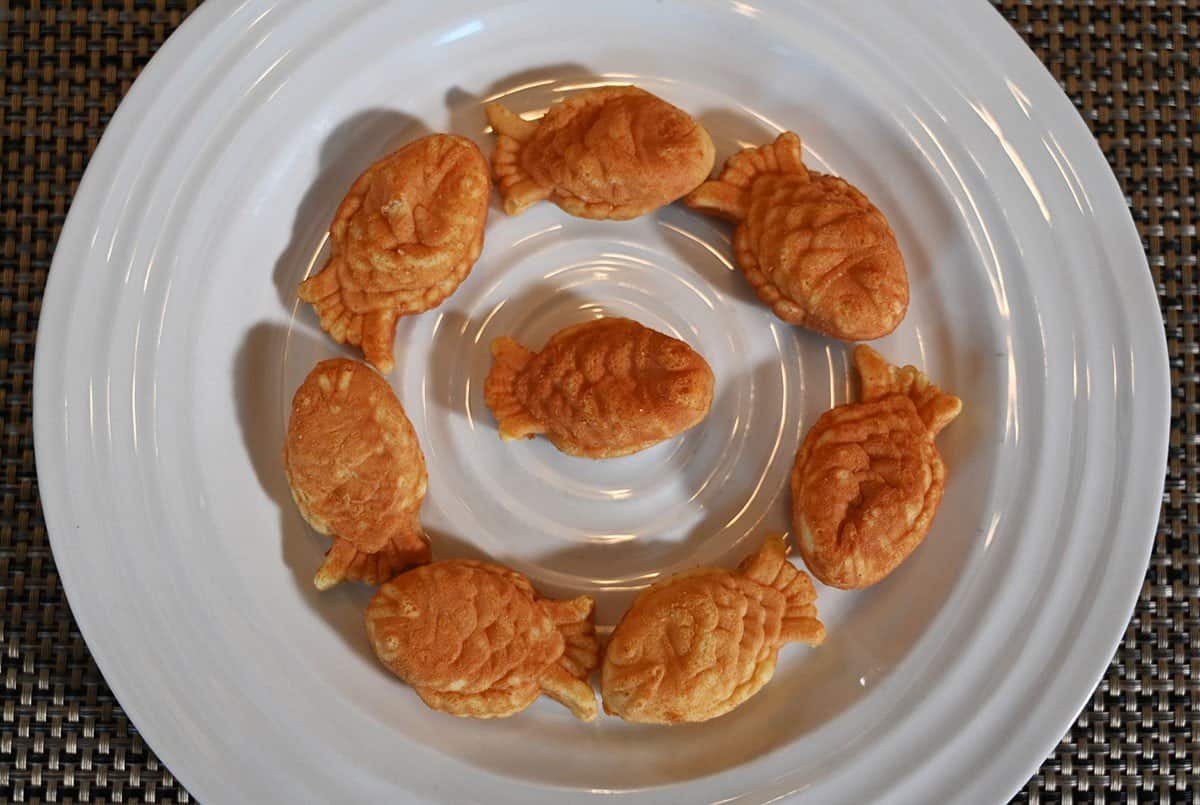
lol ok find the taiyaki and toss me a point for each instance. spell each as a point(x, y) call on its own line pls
point(402, 240)
point(357, 473)
point(697, 645)
point(613, 153)
point(474, 639)
point(605, 388)
point(812, 246)
point(868, 478)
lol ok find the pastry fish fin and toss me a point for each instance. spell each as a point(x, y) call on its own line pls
point(728, 196)
point(571, 692)
point(373, 331)
point(771, 568)
point(345, 562)
point(878, 378)
point(323, 284)
point(514, 420)
point(574, 620)
point(507, 123)
point(377, 336)
point(566, 681)
point(519, 189)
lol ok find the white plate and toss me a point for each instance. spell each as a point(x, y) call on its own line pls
point(171, 342)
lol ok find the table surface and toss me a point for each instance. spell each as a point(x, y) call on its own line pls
point(1131, 67)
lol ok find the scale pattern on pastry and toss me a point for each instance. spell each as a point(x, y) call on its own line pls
point(610, 153)
point(868, 478)
point(474, 639)
point(814, 248)
point(403, 239)
point(697, 645)
point(356, 472)
point(605, 388)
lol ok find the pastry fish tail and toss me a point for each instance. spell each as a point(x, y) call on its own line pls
point(728, 196)
point(574, 620)
point(566, 681)
point(771, 568)
point(519, 189)
point(373, 331)
point(878, 378)
point(499, 391)
point(345, 561)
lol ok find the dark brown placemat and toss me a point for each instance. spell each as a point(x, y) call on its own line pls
point(1133, 70)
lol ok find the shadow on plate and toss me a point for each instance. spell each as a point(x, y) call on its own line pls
point(731, 131)
point(706, 245)
point(586, 559)
point(263, 404)
point(528, 90)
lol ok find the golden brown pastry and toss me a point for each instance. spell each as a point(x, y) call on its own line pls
point(403, 240)
point(814, 248)
point(868, 478)
point(613, 152)
point(601, 389)
point(695, 646)
point(357, 473)
point(474, 639)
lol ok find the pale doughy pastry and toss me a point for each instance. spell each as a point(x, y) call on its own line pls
point(357, 473)
point(474, 639)
point(698, 644)
point(403, 240)
point(812, 246)
point(868, 478)
point(604, 388)
point(613, 152)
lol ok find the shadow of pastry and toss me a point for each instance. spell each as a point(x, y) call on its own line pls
point(589, 561)
point(451, 546)
point(535, 89)
point(731, 131)
point(703, 481)
point(705, 244)
point(346, 152)
point(263, 403)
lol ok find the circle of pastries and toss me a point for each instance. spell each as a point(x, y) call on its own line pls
point(474, 638)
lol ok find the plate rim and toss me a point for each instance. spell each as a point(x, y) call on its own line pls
point(1085, 146)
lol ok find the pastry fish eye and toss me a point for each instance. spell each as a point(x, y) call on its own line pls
point(624, 651)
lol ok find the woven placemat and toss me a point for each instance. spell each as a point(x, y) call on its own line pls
point(1133, 70)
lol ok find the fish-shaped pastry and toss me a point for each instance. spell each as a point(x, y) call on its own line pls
point(605, 388)
point(474, 639)
point(403, 239)
point(611, 153)
point(814, 248)
point(868, 478)
point(357, 473)
point(698, 644)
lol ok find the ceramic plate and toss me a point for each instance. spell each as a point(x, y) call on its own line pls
point(171, 341)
